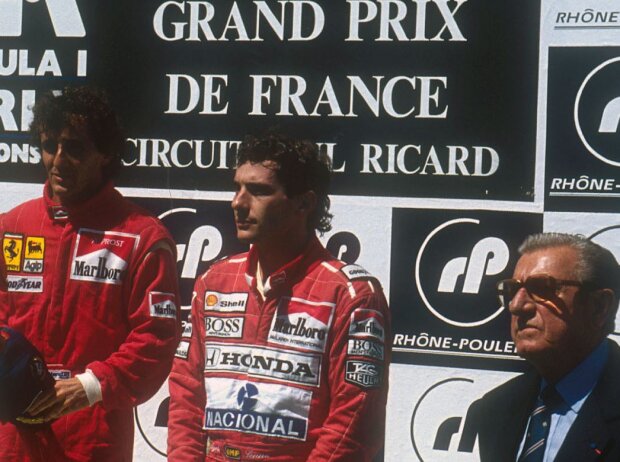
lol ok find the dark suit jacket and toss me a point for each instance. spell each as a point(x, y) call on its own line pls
point(499, 419)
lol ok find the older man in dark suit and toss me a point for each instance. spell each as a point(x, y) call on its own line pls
point(563, 301)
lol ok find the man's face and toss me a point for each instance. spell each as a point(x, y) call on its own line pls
point(561, 326)
point(74, 165)
point(264, 214)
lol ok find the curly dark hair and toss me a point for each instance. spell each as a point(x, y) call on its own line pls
point(300, 167)
point(81, 108)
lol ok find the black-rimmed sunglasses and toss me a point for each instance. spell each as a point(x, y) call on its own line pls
point(540, 288)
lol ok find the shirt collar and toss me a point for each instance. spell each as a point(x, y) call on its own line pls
point(62, 213)
point(288, 274)
point(577, 385)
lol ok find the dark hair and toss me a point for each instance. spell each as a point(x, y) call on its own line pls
point(300, 167)
point(81, 108)
point(596, 264)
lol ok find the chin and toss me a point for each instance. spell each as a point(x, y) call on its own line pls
point(245, 238)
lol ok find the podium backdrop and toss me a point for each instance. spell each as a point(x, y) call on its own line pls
point(456, 128)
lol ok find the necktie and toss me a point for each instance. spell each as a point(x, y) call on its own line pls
point(538, 428)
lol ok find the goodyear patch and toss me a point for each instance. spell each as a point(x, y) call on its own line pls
point(12, 245)
point(355, 272)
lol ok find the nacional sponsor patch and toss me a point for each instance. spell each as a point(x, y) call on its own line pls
point(259, 408)
point(224, 327)
point(301, 324)
point(182, 350)
point(12, 245)
point(162, 305)
point(102, 256)
point(363, 373)
point(225, 303)
point(25, 283)
point(355, 272)
point(264, 362)
point(367, 323)
point(365, 347)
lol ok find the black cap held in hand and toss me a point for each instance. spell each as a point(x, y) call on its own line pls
point(23, 375)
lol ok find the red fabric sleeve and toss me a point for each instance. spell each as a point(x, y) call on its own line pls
point(355, 425)
point(186, 439)
point(135, 372)
point(4, 299)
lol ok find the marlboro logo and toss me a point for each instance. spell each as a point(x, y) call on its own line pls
point(302, 324)
point(102, 256)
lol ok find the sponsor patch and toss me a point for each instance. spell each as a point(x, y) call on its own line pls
point(12, 245)
point(365, 347)
point(259, 408)
point(367, 323)
point(363, 373)
point(25, 283)
point(301, 324)
point(182, 350)
point(269, 363)
point(224, 327)
point(102, 256)
point(35, 247)
point(33, 254)
point(162, 305)
point(226, 303)
point(232, 453)
point(355, 272)
point(60, 374)
point(33, 266)
point(187, 328)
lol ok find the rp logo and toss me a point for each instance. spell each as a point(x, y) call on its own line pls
point(151, 420)
point(205, 244)
point(437, 422)
point(344, 246)
point(597, 112)
point(64, 15)
point(488, 257)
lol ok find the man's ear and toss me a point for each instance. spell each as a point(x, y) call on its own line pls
point(602, 305)
point(307, 202)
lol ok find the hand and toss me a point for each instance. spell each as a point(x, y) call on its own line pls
point(67, 396)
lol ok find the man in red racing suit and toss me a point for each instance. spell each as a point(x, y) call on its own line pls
point(92, 284)
point(284, 361)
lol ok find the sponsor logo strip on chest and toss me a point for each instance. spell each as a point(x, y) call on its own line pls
point(226, 303)
point(224, 327)
point(260, 408)
point(301, 324)
point(270, 363)
point(102, 256)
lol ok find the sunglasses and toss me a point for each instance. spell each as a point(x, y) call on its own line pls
point(73, 148)
point(540, 288)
